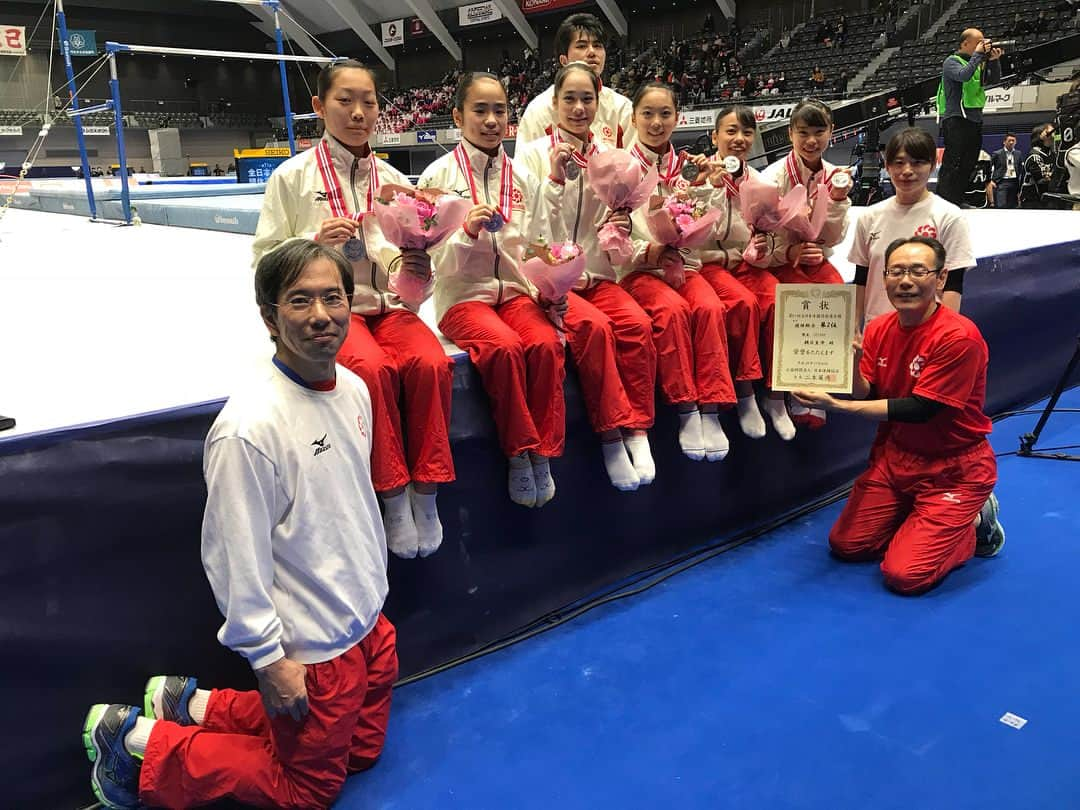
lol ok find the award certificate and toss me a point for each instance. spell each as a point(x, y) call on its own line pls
point(814, 327)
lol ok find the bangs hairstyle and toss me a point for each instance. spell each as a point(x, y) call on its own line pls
point(647, 86)
point(811, 113)
point(570, 67)
point(1036, 134)
point(744, 115)
point(567, 32)
point(281, 267)
point(934, 244)
point(327, 74)
point(467, 80)
point(917, 143)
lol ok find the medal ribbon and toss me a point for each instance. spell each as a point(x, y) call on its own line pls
point(335, 195)
point(580, 159)
point(675, 163)
point(506, 181)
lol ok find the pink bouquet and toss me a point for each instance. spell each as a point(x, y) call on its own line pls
point(678, 221)
point(553, 270)
point(765, 211)
point(617, 180)
point(416, 219)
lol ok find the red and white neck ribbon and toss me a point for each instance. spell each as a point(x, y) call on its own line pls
point(792, 166)
point(506, 181)
point(335, 195)
point(580, 159)
point(730, 185)
point(674, 163)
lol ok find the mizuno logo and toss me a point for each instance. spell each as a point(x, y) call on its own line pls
point(320, 196)
point(321, 445)
point(950, 497)
point(874, 235)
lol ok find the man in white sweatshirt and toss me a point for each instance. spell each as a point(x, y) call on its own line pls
point(294, 549)
point(580, 38)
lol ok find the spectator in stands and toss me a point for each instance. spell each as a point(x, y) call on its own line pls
point(218, 171)
point(817, 77)
point(482, 299)
point(1006, 175)
point(1041, 24)
point(687, 315)
point(1020, 25)
point(796, 261)
point(842, 80)
point(926, 503)
point(388, 346)
point(1038, 167)
point(580, 38)
point(301, 595)
point(960, 102)
point(914, 211)
point(609, 335)
point(841, 31)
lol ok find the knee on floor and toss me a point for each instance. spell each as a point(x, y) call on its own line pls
point(907, 580)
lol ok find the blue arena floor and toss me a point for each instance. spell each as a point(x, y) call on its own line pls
point(773, 676)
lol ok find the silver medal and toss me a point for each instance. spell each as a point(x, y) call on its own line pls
point(732, 165)
point(841, 180)
point(354, 249)
point(494, 225)
point(572, 170)
point(690, 172)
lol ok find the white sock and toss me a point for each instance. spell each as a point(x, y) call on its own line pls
point(818, 413)
point(641, 453)
point(750, 417)
point(401, 537)
point(196, 706)
point(426, 517)
point(716, 441)
point(545, 484)
point(521, 483)
point(619, 467)
point(135, 740)
point(778, 415)
point(691, 436)
point(797, 409)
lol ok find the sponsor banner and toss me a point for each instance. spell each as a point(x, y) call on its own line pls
point(393, 33)
point(390, 138)
point(696, 119)
point(96, 131)
point(9, 130)
point(1007, 98)
point(82, 42)
point(303, 143)
point(478, 13)
point(12, 40)
point(269, 151)
point(425, 136)
point(511, 131)
point(536, 6)
point(705, 119)
point(416, 28)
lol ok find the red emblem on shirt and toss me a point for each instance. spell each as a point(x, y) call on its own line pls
point(606, 131)
point(916, 366)
point(927, 230)
point(518, 199)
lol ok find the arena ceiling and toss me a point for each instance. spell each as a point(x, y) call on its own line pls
point(302, 20)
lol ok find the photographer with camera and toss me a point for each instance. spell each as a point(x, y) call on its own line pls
point(960, 104)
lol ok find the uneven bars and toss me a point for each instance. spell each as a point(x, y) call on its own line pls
point(116, 47)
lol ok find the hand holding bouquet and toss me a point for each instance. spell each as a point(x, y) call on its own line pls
point(416, 219)
point(678, 221)
point(765, 211)
point(617, 180)
point(553, 270)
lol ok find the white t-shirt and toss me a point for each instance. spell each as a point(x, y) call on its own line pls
point(292, 539)
point(885, 221)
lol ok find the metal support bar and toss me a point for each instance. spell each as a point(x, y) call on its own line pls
point(305, 116)
point(125, 192)
point(116, 47)
point(284, 82)
point(1028, 440)
point(74, 111)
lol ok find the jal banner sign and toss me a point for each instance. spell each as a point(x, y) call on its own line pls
point(82, 43)
point(393, 33)
point(12, 40)
point(478, 13)
point(537, 6)
point(416, 28)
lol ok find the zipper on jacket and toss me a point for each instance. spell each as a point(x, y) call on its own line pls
point(494, 240)
point(356, 207)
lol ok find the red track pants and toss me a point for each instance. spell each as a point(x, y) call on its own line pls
point(521, 360)
point(823, 273)
point(762, 283)
point(398, 357)
point(917, 511)
point(742, 319)
point(691, 341)
point(610, 337)
point(241, 754)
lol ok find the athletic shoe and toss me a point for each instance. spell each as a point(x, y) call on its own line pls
point(990, 534)
point(166, 698)
point(115, 774)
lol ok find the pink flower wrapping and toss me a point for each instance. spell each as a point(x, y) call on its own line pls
point(553, 270)
point(617, 180)
point(416, 219)
point(764, 211)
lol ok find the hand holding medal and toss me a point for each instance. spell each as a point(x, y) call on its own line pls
point(694, 166)
point(841, 184)
point(563, 166)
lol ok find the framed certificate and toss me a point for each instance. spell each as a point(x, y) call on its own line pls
point(814, 326)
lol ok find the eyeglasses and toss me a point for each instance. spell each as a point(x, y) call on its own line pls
point(916, 271)
point(302, 303)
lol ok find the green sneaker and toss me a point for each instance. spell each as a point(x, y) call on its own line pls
point(115, 774)
point(166, 697)
point(990, 535)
